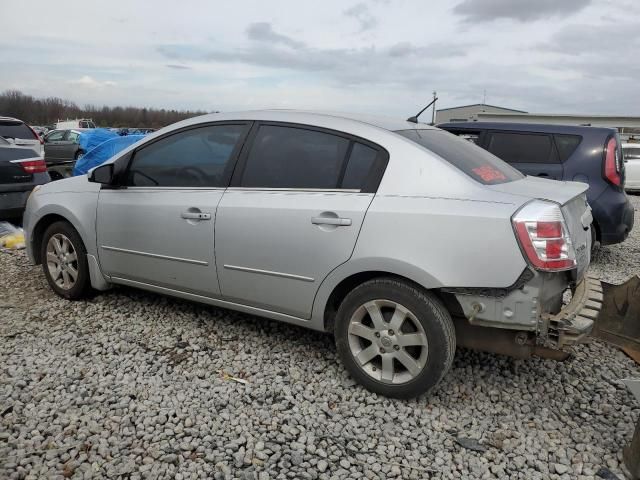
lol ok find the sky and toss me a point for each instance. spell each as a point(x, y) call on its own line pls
point(375, 56)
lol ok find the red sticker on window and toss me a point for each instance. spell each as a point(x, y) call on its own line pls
point(489, 174)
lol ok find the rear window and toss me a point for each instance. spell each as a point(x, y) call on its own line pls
point(15, 130)
point(567, 144)
point(463, 154)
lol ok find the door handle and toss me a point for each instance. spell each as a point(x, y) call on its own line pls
point(340, 222)
point(195, 216)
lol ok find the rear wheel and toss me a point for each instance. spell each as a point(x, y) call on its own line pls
point(64, 261)
point(394, 338)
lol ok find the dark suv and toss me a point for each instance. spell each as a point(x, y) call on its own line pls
point(585, 154)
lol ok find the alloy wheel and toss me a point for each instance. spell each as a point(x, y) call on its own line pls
point(62, 261)
point(388, 342)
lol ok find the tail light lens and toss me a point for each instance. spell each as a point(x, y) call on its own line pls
point(612, 164)
point(35, 134)
point(32, 165)
point(544, 237)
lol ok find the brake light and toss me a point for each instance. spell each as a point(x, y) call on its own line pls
point(36, 135)
point(544, 237)
point(612, 162)
point(32, 165)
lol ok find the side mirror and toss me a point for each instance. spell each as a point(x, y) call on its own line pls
point(103, 174)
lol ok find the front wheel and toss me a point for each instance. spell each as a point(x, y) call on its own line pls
point(64, 261)
point(394, 338)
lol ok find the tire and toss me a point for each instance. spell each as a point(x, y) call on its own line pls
point(426, 322)
point(62, 240)
point(78, 155)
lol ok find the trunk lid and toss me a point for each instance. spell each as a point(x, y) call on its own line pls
point(573, 200)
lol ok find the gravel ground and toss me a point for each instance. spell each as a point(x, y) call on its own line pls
point(133, 385)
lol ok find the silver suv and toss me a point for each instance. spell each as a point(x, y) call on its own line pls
point(399, 238)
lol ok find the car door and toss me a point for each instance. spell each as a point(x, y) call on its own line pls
point(532, 153)
point(158, 228)
point(70, 145)
point(53, 144)
point(631, 156)
point(292, 214)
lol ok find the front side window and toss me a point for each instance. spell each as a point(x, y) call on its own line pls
point(73, 136)
point(56, 136)
point(522, 147)
point(198, 157)
point(474, 161)
point(290, 157)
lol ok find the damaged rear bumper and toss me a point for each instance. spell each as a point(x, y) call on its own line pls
point(577, 319)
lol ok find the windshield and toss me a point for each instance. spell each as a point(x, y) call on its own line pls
point(476, 162)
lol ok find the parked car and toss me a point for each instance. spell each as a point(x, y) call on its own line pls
point(631, 155)
point(20, 135)
point(61, 150)
point(77, 123)
point(399, 238)
point(585, 154)
point(20, 171)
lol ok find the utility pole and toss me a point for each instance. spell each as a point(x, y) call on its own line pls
point(433, 111)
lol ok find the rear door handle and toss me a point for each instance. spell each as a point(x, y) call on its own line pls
point(195, 216)
point(341, 222)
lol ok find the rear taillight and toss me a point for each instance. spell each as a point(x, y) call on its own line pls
point(32, 165)
point(36, 135)
point(544, 237)
point(612, 164)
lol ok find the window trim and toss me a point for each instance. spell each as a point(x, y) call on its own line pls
point(372, 182)
point(127, 160)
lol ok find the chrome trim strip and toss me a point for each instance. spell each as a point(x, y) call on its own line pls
point(155, 255)
point(30, 159)
point(269, 272)
point(312, 190)
point(164, 189)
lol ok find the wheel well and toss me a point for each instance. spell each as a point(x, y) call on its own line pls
point(348, 284)
point(38, 232)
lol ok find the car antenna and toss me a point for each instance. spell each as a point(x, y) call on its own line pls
point(414, 119)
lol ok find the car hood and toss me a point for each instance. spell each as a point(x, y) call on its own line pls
point(542, 188)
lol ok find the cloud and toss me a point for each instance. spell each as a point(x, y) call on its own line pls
point(520, 10)
point(177, 67)
point(263, 32)
point(90, 82)
point(360, 12)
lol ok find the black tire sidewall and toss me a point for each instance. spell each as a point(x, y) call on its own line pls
point(79, 290)
point(429, 311)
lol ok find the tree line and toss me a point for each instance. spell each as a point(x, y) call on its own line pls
point(47, 111)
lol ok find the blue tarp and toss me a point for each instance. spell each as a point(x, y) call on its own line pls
point(103, 152)
point(90, 139)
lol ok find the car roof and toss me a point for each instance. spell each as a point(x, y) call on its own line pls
point(527, 127)
point(10, 119)
point(308, 117)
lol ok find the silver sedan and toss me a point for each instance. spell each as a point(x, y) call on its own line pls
point(400, 239)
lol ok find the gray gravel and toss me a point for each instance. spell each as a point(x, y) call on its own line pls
point(132, 385)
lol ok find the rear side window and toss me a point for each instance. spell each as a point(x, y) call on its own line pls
point(290, 157)
point(464, 155)
point(522, 147)
point(360, 167)
point(12, 129)
point(567, 144)
point(197, 157)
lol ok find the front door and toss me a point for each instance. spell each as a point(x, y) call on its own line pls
point(532, 153)
point(53, 145)
point(292, 215)
point(158, 229)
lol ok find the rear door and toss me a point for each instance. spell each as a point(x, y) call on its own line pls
point(533, 154)
point(293, 214)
